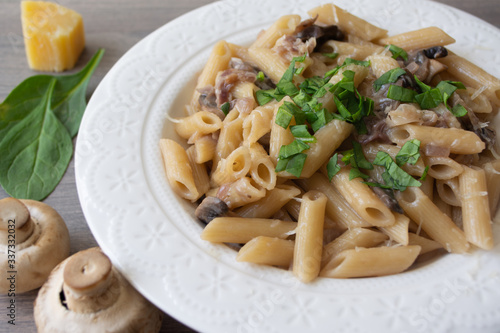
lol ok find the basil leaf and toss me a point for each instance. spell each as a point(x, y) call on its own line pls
point(390, 76)
point(260, 76)
point(459, 110)
point(424, 174)
point(323, 117)
point(332, 55)
point(283, 117)
point(421, 85)
point(398, 52)
point(296, 147)
point(301, 132)
point(409, 153)
point(333, 167)
point(401, 94)
point(293, 165)
point(264, 96)
point(393, 175)
point(359, 157)
point(363, 63)
point(35, 152)
point(356, 173)
point(225, 108)
point(429, 99)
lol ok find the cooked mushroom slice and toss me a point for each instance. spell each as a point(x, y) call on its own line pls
point(322, 34)
point(210, 208)
point(387, 197)
point(85, 293)
point(436, 52)
point(37, 235)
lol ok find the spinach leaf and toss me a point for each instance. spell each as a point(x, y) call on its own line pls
point(35, 152)
point(37, 121)
point(68, 98)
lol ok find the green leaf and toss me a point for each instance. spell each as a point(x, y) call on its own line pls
point(363, 63)
point(398, 52)
point(68, 97)
point(225, 108)
point(296, 147)
point(459, 110)
point(333, 167)
point(390, 76)
point(283, 117)
point(302, 133)
point(356, 173)
point(35, 152)
point(409, 153)
point(69, 100)
point(293, 165)
point(359, 157)
point(393, 175)
point(260, 76)
point(37, 121)
point(332, 55)
point(264, 96)
point(401, 94)
point(429, 99)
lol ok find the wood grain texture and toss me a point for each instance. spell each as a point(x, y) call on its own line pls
point(115, 25)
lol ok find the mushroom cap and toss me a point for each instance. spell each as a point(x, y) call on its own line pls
point(35, 258)
point(130, 313)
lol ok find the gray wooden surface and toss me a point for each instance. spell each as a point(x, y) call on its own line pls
point(115, 25)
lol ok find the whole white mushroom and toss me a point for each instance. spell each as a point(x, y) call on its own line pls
point(85, 293)
point(33, 240)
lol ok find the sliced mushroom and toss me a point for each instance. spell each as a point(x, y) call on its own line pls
point(86, 293)
point(38, 240)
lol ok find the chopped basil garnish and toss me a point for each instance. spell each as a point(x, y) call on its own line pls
point(225, 108)
point(409, 153)
point(297, 146)
point(333, 167)
point(332, 55)
point(260, 76)
point(394, 176)
point(398, 52)
point(293, 164)
point(301, 133)
point(363, 63)
point(390, 76)
point(401, 94)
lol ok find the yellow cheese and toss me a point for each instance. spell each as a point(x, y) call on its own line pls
point(53, 35)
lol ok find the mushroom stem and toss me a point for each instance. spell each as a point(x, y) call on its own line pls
point(90, 284)
point(15, 222)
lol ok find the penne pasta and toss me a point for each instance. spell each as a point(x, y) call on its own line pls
point(178, 170)
point(476, 217)
point(309, 236)
point(376, 261)
point(267, 251)
point(242, 230)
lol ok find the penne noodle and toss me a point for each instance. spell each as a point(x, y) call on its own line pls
point(473, 76)
point(309, 236)
point(350, 239)
point(419, 39)
point(430, 218)
point(267, 251)
point(329, 14)
point(449, 191)
point(362, 199)
point(459, 141)
point(443, 168)
point(242, 230)
point(271, 203)
point(476, 217)
point(375, 261)
point(337, 207)
point(178, 170)
point(426, 245)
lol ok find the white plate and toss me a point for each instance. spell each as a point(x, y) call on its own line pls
point(153, 239)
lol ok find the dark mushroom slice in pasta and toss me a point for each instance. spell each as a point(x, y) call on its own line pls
point(210, 208)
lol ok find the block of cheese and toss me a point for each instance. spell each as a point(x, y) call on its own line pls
point(54, 36)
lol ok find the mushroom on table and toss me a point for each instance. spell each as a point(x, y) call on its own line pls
point(34, 239)
point(86, 293)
